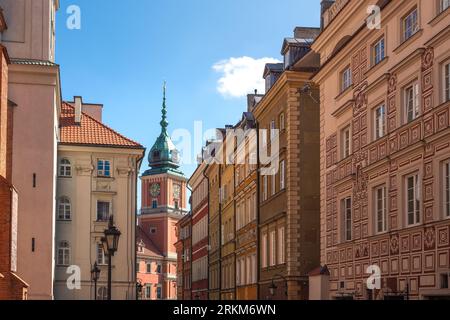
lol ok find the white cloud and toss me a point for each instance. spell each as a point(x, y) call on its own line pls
point(240, 76)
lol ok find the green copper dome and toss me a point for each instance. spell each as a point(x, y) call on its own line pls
point(163, 156)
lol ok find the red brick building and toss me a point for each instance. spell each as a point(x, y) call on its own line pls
point(11, 286)
point(184, 255)
point(199, 184)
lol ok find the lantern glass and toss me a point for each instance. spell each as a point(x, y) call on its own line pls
point(272, 289)
point(112, 239)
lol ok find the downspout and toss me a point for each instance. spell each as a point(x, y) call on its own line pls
point(190, 248)
point(258, 199)
point(209, 244)
point(138, 165)
point(220, 232)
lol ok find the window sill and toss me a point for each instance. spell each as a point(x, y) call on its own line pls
point(439, 17)
point(406, 42)
point(377, 66)
point(343, 93)
point(61, 220)
point(65, 177)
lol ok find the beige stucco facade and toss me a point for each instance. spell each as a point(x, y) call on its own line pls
point(83, 231)
point(383, 191)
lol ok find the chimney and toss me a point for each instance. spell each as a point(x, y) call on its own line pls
point(324, 6)
point(78, 105)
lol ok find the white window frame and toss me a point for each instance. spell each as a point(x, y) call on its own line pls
point(273, 127)
point(443, 5)
point(410, 24)
point(281, 245)
point(282, 174)
point(264, 251)
point(282, 121)
point(65, 168)
point(379, 125)
point(378, 51)
point(346, 142)
point(413, 212)
point(273, 187)
point(272, 249)
point(346, 78)
point(265, 188)
point(63, 255)
point(347, 218)
point(64, 209)
point(446, 188)
point(380, 202)
point(102, 258)
point(102, 165)
point(446, 81)
point(411, 96)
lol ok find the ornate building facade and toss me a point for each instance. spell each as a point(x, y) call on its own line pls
point(97, 180)
point(385, 151)
point(163, 205)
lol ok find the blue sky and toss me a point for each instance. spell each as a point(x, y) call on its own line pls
point(123, 53)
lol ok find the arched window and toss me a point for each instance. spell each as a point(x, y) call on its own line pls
point(63, 257)
point(65, 168)
point(64, 209)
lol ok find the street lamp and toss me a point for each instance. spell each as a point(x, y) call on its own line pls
point(110, 244)
point(95, 275)
point(273, 287)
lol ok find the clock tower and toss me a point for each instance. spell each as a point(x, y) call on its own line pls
point(163, 205)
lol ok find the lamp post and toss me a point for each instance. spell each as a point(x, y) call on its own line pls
point(110, 244)
point(273, 286)
point(95, 275)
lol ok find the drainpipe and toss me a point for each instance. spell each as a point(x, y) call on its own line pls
point(209, 244)
point(258, 182)
point(138, 165)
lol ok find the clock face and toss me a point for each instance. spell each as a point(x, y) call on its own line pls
point(155, 189)
point(176, 191)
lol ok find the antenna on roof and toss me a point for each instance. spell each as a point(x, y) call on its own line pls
point(256, 91)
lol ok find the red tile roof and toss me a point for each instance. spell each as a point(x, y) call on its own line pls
point(150, 249)
point(90, 131)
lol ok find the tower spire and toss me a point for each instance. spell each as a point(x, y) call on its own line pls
point(164, 123)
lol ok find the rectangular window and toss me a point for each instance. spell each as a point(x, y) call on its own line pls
point(264, 250)
point(254, 269)
point(413, 199)
point(102, 259)
point(381, 209)
point(238, 272)
point(282, 175)
point(248, 268)
point(411, 102)
point(103, 210)
point(346, 79)
point(378, 52)
point(446, 87)
point(103, 168)
point(380, 121)
point(282, 123)
point(272, 129)
point(347, 218)
point(444, 5)
point(272, 252)
point(345, 142)
point(148, 292)
point(149, 268)
point(410, 24)
point(273, 183)
point(264, 188)
point(281, 246)
point(158, 268)
point(446, 172)
point(158, 292)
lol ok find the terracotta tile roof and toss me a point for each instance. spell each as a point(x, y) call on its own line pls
point(90, 131)
point(150, 249)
